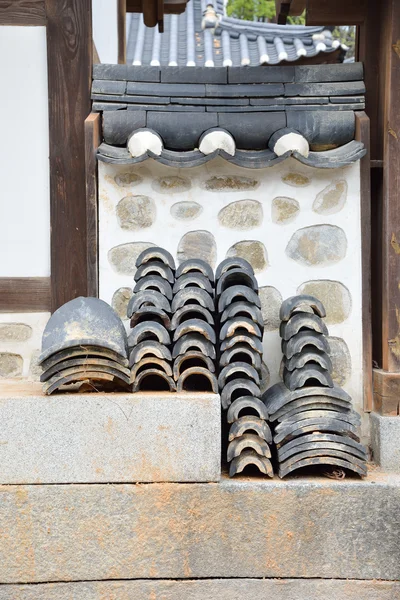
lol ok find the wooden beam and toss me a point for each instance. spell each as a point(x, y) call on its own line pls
point(69, 59)
point(337, 12)
point(386, 393)
point(92, 142)
point(362, 135)
point(391, 194)
point(121, 24)
point(22, 12)
point(25, 294)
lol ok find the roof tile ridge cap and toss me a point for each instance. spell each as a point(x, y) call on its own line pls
point(298, 30)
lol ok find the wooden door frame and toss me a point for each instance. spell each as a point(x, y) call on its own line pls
point(69, 63)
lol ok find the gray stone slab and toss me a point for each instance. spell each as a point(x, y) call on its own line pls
point(207, 589)
point(244, 91)
point(165, 89)
point(125, 72)
point(104, 86)
point(334, 72)
point(191, 75)
point(287, 101)
point(110, 438)
point(214, 101)
point(101, 106)
point(340, 88)
point(166, 108)
point(385, 441)
point(260, 74)
point(250, 527)
point(146, 99)
point(348, 99)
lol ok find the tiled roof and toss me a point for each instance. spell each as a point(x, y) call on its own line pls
point(201, 37)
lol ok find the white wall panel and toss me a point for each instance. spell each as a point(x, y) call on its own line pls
point(105, 33)
point(24, 153)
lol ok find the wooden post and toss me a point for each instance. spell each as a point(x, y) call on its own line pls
point(69, 59)
point(121, 23)
point(92, 142)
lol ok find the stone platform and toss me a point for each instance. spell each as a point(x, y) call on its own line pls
point(108, 438)
point(243, 528)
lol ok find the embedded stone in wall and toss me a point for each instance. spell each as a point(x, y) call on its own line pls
point(234, 183)
point(317, 245)
point(186, 211)
point(265, 377)
point(296, 179)
point(284, 210)
point(242, 215)
point(123, 258)
point(10, 364)
point(333, 295)
point(136, 212)
point(171, 185)
point(15, 332)
point(332, 198)
point(198, 244)
point(253, 251)
point(341, 360)
point(128, 179)
point(120, 301)
point(35, 370)
point(271, 301)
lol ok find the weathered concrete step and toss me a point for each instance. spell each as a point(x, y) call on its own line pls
point(106, 438)
point(301, 528)
point(223, 589)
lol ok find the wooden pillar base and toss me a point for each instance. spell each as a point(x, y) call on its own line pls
point(386, 392)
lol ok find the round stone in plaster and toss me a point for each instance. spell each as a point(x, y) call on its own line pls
point(241, 215)
point(296, 179)
point(271, 301)
point(321, 245)
point(128, 179)
point(331, 199)
point(136, 212)
point(198, 244)
point(334, 296)
point(284, 209)
point(171, 184)
point(251, 250)
point(341, 360)
point(11, 365)
point(120, 301)
point(186, 210)
point(233, 183)
point(123, 257)
point(15, 332)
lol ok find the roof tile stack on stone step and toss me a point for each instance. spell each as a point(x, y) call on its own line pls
point(149, 309)
point(313, 420)
point(242, 377)
point(193, 326)
point(84, 348)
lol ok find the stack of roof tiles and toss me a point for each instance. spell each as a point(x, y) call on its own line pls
point(149, 310)
point(84, 347)
point(313, 420)
point(193, 326)
point(240, 377)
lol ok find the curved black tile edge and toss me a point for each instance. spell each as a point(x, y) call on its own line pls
point(258, 159)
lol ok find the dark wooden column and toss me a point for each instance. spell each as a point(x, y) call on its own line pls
point(69, 57)
point(380, 50)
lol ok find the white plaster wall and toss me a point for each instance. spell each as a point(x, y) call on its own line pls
point(105, 33)
point(30, 348)
point(283, 273)
point(24, 153)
